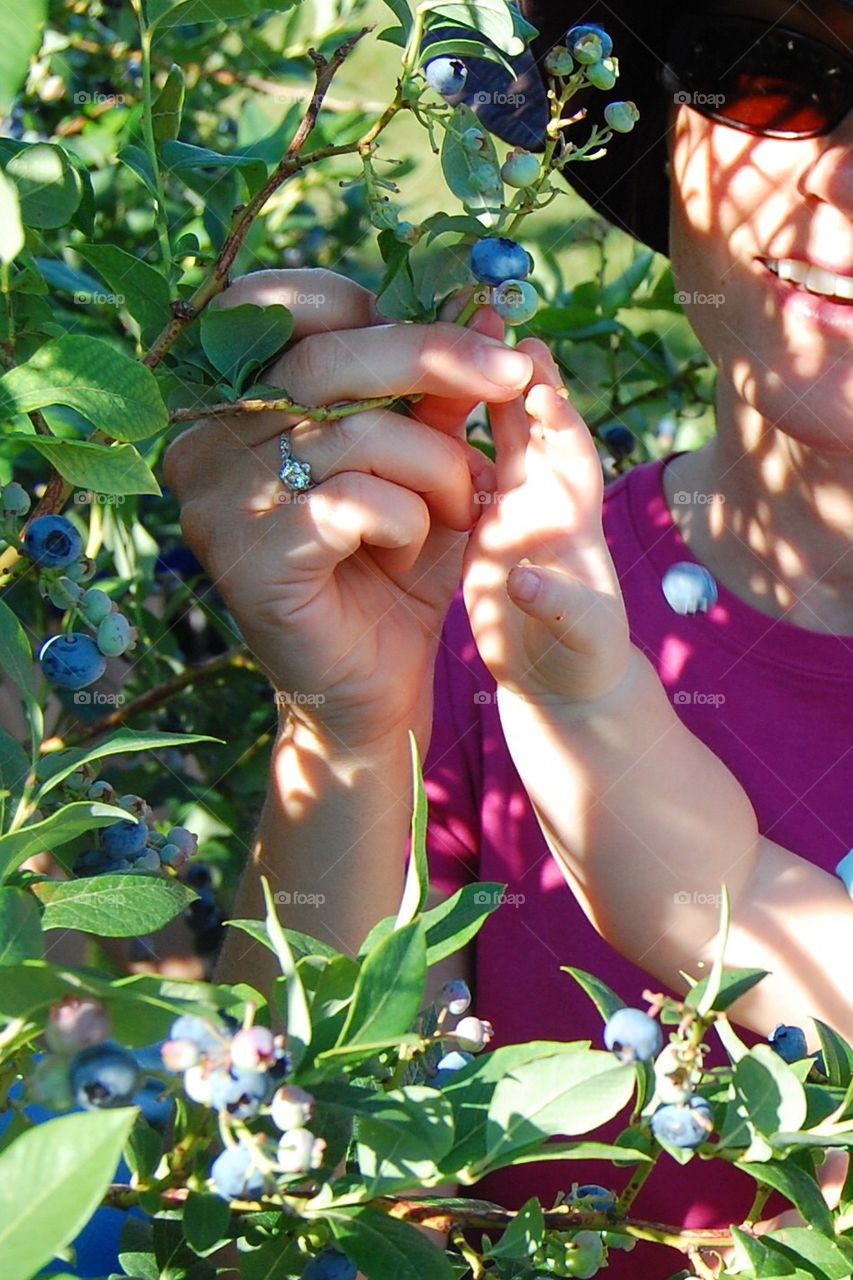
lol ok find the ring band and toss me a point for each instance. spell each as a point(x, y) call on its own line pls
point(293, 474)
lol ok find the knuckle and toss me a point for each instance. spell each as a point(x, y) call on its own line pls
point(197, 527)
point(309, 365)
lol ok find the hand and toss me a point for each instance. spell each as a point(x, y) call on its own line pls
point(571, 643)
point(341, 591)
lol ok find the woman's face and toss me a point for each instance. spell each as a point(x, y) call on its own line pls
point(739, 201)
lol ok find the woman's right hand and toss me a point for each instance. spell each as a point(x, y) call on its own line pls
point(341, 591)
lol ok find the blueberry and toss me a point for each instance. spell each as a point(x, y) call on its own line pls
point(14, 499)
point(202, 1033)
point(516, 301)
point(124, 838)
point(115, 635)
point(95, 605)
point(448, 1066)
point(689, 588)
point(330, 1265)
point(52, 542)
point(496, 259)
point(558, 61)
point(687, 1125)
point(455, 996)
point(521, 168)
point(584, 36)
point(789, 1043)
point(621, 116)
point(71, 661)
point(292, 1107)
point(633, 1035)
point(820, 1063)
point(584, 1256)
point(104, 1075)
point(199, 876)
point(235, 1177)
point(94, 862)
point(76, 1022)
point(155, 1104)
point(473, 1034)
point(299, 1151)
point(252, 1049)
point(595, 1198)
point(238, 1092)
point(620, 441)
point(446, 75)
point(602, 74)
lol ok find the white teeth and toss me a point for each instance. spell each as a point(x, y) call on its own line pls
point(815, 279)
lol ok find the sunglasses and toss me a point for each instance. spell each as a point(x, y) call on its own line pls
point(764, 80)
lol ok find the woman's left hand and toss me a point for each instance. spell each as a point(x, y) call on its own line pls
point(571, 643)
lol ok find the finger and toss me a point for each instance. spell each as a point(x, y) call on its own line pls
point(558, 429)
point(575, 614)
point(319, 300)
point(450, 413)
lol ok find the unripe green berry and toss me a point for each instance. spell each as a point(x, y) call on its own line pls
point(95, 605)
point(603, 74)
point(14, 500)
point(474, 140)
point(115, 635)
point(64, 592)
point(587, 50)
point(82, 570)
point(521, 168)
point(558, 61)
point(621, 116)
point(515, 301)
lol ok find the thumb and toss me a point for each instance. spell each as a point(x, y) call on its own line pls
point(447, 413)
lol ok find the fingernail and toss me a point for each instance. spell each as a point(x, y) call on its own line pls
point(524, 584)
point(502, 365)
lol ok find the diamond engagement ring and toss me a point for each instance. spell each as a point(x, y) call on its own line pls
point(293, 474)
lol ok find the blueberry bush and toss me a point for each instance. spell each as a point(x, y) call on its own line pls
point(150, 152)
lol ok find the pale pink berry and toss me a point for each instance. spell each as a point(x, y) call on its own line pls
point(299, 1151)
point(292, 1107)
point(253, 1049)
point(75, 1023)
point(179, 1055)
point(473, 1034)
point(187, 841)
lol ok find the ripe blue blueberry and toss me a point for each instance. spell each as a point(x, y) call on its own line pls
point(689, 588)
point(633, 1035)
point(687, 1125)
point(104, 1075)
point(448, 1066)
point(595, 1198)
point(235, 1177)
point(238, 1092)
point(96, 862)
point(446, 75)
point(207, 1036)
point(125, 838)
point(71, 661)
point(52, 542)
point(620, 441)
point(330, 1265)
point(621, 116)
point(516, 301)
point(496, 259)
point(789, 1043)
point(589, 43)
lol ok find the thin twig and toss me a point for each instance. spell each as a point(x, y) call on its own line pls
point(320, 412)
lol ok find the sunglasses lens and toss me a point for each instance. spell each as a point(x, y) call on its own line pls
point(764, 80)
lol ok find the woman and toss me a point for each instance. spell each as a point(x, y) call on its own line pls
point(348, 593)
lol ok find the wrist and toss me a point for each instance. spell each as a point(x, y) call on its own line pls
point(346, 749)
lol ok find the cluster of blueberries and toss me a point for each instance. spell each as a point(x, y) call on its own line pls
point(684, 1118)
point(132, 844)
point(73, 659)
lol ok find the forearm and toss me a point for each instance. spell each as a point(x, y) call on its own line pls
point(331, 841)
point(647, 824)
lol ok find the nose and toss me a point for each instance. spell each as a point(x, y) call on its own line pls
point(829, 176)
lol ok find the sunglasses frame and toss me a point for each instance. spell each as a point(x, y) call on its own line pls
point(716, 26)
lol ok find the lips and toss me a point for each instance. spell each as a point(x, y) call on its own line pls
point(818, 280)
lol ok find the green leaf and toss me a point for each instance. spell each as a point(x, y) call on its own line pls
point(302, 944)
point(119, 395)
point(401, 1137)
point(565, 1094)
point(49, 187)
point(11, 228)
point(54, 768)
point(20, 927)
point(523, 1236)
point(707, 1002)
point(240, 340)
point(491, 18)
point(16, 657)
point(769, 1092)
point(473, 176)
point(734, 983)
point(298, 1012)
point(54, 831)
point(384, 1248)
point(605, 1000)
point(416, 889)
point(802, 1191)
point(169, 13)
point(143, 289)
point(116, 469)
point(14, 768)
point(461, 48)
point(837, 1055)
point(182, 157)
point(581, 1151)
point(113, 906)
point(403, 14)
point(621, 291)
point(138, 162)
point(390, 989)
point(167, 107)
point(454, 922)
point(52, 1179)
point(806, 1244)
point(21, 24)
point(206, 1219)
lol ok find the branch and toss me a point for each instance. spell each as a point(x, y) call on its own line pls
point(319, 412)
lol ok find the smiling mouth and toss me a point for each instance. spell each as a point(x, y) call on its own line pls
point(828, 284)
